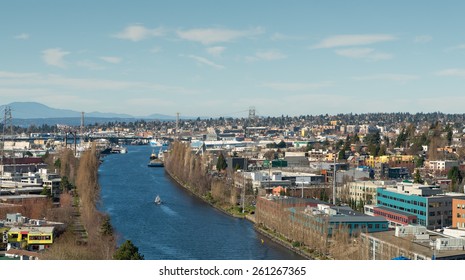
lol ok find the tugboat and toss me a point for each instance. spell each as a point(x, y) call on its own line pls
point(155, 161)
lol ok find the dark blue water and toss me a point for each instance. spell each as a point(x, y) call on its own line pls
point(183, 227)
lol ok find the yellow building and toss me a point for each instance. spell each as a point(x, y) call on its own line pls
point(31, 238)
point(398, 159)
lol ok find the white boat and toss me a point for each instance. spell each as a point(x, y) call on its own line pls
point(157, 200)
point(158, 143)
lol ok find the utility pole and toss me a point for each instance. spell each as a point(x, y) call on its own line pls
point(177, 124)
point(302, 189)
point(82, 123)
point(243, 192)
point(334, 179)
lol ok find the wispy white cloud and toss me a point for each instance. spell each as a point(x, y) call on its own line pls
point(282, 37)
point(452, 72)
point(17, 75)
point(22, 36)
point(296, 86)
point(209, 36)
point(270, 55)
point(216, 51)
point(89, 65)
point(203, 60)
point(111, 59)
point(364, 53)
point(36, 80)
point(138, 32)
point(266, 55)
point(388, 77)
point(353, 40)
point(422, 39)
point(454, 48)
point(55, 57)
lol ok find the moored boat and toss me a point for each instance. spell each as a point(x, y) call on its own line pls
point(155, 163)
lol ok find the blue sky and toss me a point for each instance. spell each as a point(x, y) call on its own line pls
point(218, 58)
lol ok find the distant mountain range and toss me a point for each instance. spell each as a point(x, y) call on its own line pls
point(25, 113)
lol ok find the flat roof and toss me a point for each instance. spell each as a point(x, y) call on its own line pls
point(9, 197)
point(421, 248)
point(349, 218)
point(47, 230)
point(18, 252)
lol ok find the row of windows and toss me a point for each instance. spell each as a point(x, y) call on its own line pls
point(414, 202)
point(460, 206)
point(364, 226)
point(367, 189)
point(414, 211)
point(439, 204)
point(438, 213)
point(40, 237)
point(392, 217)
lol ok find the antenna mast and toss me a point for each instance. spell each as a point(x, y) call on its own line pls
point(82, 123)
point(177, 124)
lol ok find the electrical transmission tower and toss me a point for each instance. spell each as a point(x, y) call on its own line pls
point(251, 113)
point(7, 121)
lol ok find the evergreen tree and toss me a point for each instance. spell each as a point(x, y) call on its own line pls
point(128, 251)
point(419, 162)
point(417, 178)
point(456, 176)
point(221, 163)
point(341, 155)
point(65, 185)
point(106, 228)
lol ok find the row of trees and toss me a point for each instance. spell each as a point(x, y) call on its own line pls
point(322, 239)
point(193, 171)
point(80, 195)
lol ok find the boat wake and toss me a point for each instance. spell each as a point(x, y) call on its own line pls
point(168, 211)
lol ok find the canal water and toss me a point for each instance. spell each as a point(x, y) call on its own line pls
point(183, 227)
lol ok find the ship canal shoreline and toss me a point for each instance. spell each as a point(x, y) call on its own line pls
point(251, 218)
point(185, 186)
